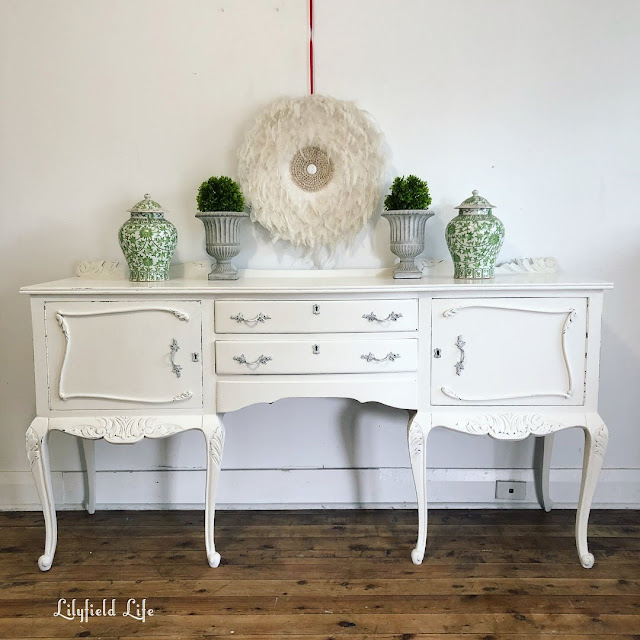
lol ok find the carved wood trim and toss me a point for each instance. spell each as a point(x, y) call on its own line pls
point(570, 317)
point(416, 440)
point(61, 318)
point(215, 447)
point(601, 441)
point(120, 429)
point(34, 446)
point(509, 426)
point(528, 265)
point(102, 270)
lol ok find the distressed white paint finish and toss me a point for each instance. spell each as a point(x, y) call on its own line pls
point(38, 456)
point(119, 430)
point(118, 355)
point(528, 351)
point(518, 425)
point(339, 364)
point(534, 145)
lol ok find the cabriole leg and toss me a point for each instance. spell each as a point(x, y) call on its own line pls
point(418, 430)
point(214, 436)
point(596, 436)
point(544, 472)
point(38, 455)
point(89, 447)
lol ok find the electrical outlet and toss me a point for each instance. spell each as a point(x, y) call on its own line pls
point(511, 490)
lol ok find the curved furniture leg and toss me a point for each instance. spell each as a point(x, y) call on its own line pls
point(596, 436)
point(38, 455)
point(213, 430)
point(89, 448)
point(543, 473)
point(418, 430)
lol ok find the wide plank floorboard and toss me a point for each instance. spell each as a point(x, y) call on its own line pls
point(487, 575)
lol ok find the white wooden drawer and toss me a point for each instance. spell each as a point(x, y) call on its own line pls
point(295, 356)
point(315, 316)
point(501, 351)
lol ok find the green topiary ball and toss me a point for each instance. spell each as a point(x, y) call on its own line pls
point(408, 193)
point(220, 194)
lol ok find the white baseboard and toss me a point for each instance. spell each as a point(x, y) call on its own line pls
point(315, 488)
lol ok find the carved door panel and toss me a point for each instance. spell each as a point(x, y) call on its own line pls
point(111, 355)
point(508, 351)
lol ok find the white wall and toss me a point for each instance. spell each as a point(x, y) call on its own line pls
point(534, 103)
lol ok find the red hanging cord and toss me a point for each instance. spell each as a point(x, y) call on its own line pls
point(311, 46)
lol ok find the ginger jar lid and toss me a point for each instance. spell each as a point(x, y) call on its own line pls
point(475, 202)
point(147, 206)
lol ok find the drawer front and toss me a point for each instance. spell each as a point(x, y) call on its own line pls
point(315, 316)
point(294, 356)
point(509, 351)
point(124, 355)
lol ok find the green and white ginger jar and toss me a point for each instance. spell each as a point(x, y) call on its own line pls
point(474, 238)
point(148, 241)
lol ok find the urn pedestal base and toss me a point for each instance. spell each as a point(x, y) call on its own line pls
point(407, 269)
point(222, 238)
point(223, 270)
point(407, 240)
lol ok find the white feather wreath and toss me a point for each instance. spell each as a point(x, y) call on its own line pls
point(313, 170)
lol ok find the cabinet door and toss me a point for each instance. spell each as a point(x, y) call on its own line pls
point(508, 351)
point(131, 355)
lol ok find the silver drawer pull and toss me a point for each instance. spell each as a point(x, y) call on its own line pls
point(371, 317)
point(259, 360)
point(390, 357)
point(460, 364)
point(261, 317)
point(176, 368)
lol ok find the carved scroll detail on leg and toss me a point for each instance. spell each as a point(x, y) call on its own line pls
point(33, 442)
point(38, 456)
point(214, 434)
point(596, 439)
point(417, 437)
point(601, 441)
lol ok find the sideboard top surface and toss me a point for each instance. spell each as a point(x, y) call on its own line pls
point(343, 281)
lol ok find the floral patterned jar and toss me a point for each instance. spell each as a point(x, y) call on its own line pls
point(474, 238)
point(148, 241)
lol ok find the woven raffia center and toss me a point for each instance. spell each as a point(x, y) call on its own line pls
point(311, 169)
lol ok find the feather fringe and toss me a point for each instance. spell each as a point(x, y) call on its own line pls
point(323, 220)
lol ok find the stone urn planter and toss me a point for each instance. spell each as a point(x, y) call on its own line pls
point(223, 240)
point(474, 238)
point(148, 241)
point(407, 239)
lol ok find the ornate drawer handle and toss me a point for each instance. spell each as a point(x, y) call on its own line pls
point(390, 357)
point(460, 364)
point(176, 368)
point(259, 360)
point(371, 317)
point(261, 317)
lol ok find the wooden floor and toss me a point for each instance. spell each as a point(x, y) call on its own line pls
point(487, 575)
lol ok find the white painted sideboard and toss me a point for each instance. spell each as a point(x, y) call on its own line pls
point(509, 357)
